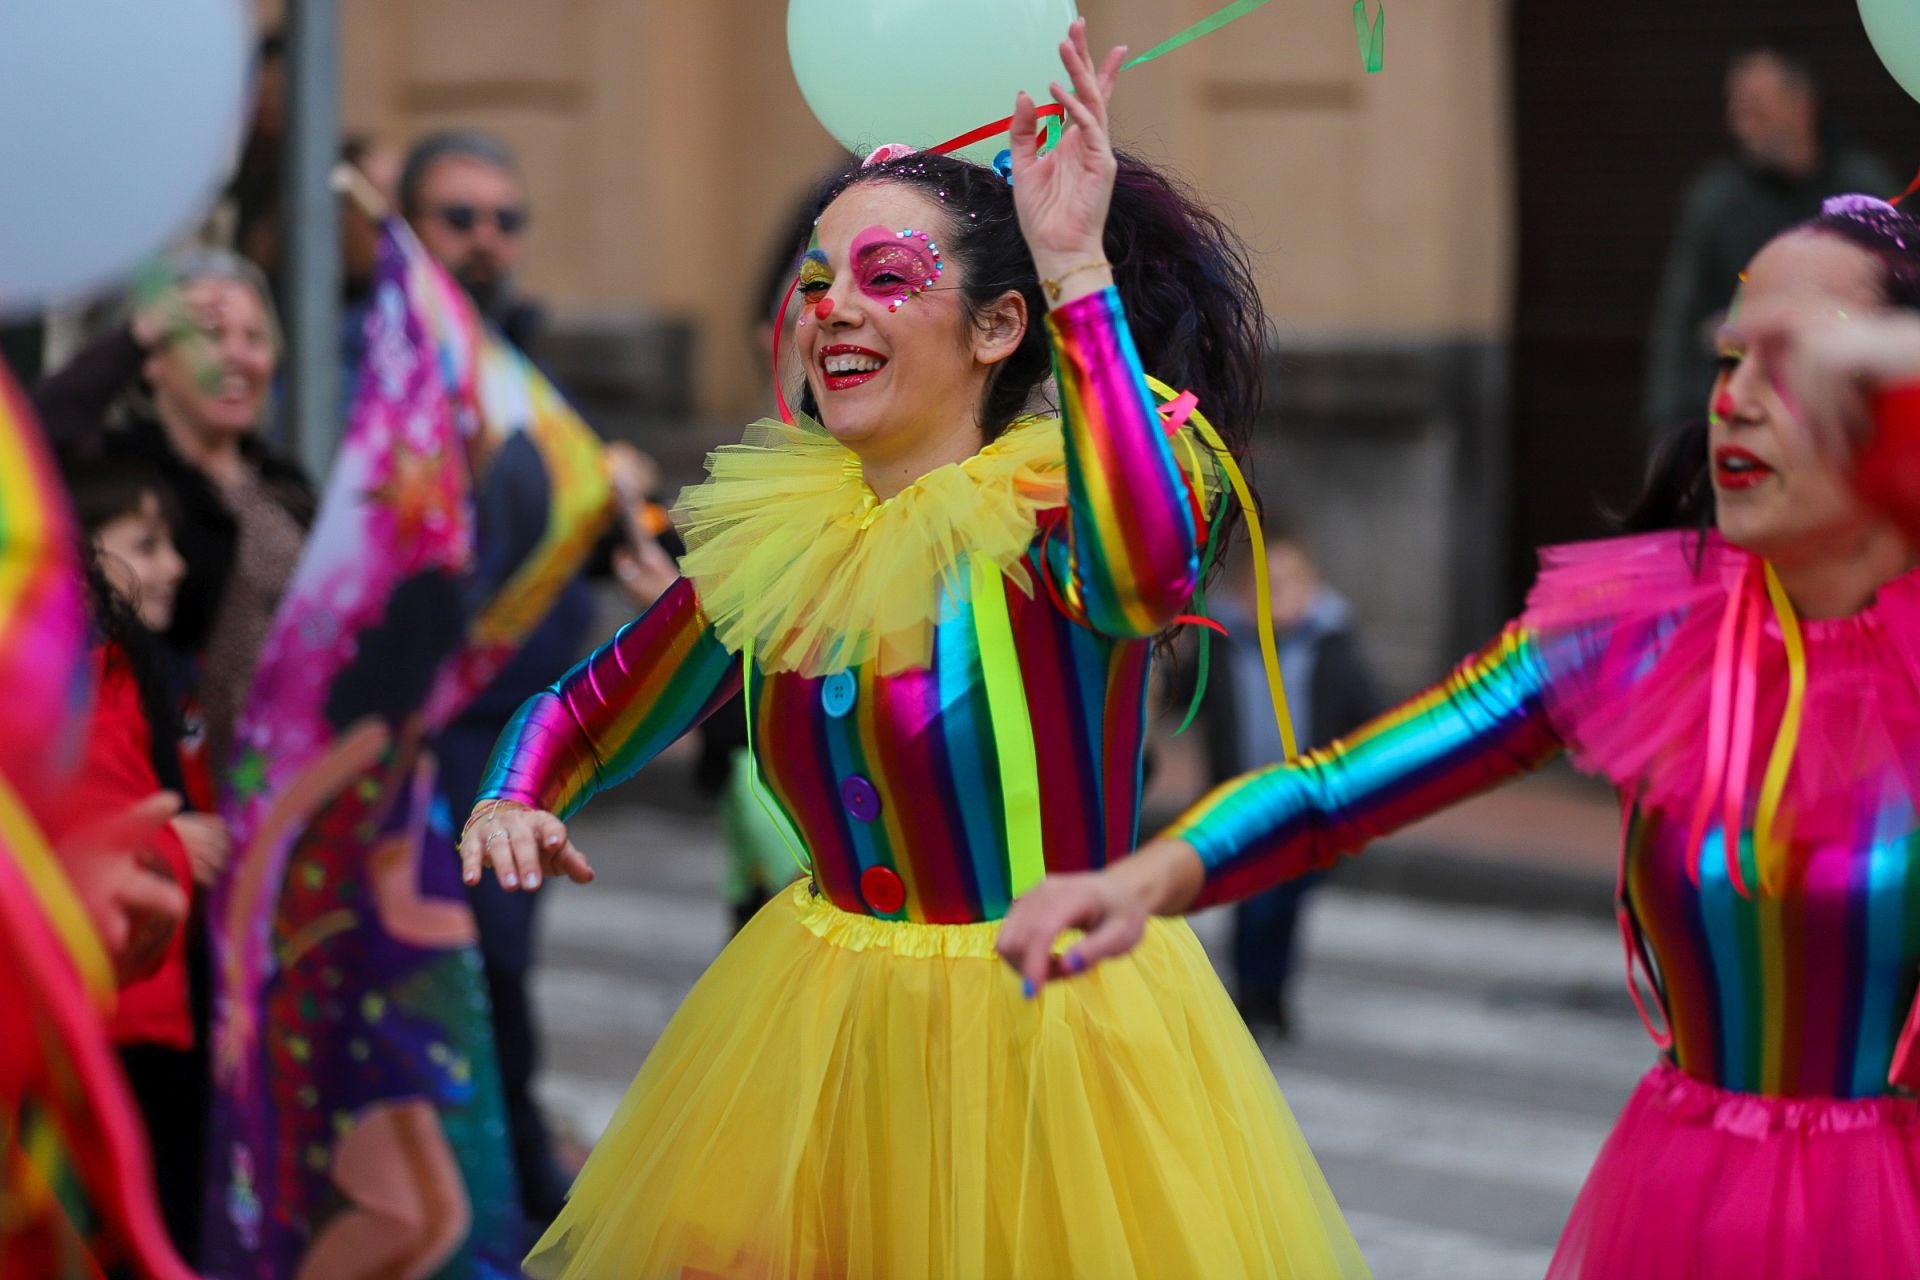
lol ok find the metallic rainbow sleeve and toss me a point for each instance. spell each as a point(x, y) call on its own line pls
point(1133, 560)
point(660, 675)
point(1484, 724)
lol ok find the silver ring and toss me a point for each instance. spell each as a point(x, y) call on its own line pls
point(499, 833)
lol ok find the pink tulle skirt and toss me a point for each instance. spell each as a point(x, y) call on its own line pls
point(1702, 1183)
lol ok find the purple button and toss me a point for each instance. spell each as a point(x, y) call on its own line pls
point(862, 801)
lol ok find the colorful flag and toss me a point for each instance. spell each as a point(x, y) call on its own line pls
point(76, 1183)
point(352, 1033)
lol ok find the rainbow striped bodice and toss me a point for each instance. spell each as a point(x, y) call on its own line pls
point(1800, 992)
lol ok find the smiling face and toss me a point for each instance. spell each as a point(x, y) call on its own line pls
point(216, 381)
point(890, 350)
point(1776, 493)
point(138, 557)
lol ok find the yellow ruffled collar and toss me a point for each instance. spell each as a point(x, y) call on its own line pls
point(792, 551)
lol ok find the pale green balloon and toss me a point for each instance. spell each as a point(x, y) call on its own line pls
point(1894, 28)
point(923, 71)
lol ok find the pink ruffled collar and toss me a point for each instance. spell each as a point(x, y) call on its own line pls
point(1630, 630)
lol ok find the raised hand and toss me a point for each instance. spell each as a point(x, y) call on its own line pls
point(1062, 197)
point(1827, 367)
point(522, 845)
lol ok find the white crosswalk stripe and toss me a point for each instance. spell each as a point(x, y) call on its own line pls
point(1457, 1072)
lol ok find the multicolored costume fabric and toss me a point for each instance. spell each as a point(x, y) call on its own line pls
point(857, 1086)
point(352, 1025)
point(1785, 994)
point(75, 1178)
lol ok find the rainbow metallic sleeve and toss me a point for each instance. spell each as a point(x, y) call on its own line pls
point(660, 675)
point(1484, 724)
point(1132, 561)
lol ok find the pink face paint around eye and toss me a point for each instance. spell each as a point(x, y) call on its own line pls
point(894, 266)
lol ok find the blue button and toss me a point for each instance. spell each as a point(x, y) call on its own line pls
point(838, 692)
point(862, 801)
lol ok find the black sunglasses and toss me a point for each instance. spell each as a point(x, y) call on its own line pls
point(511, 219)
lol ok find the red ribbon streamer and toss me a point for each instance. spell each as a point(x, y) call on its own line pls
point(1911, 188)
point(780, 322)
point(986, 131)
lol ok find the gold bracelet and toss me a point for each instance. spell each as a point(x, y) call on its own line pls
point(1053, 286)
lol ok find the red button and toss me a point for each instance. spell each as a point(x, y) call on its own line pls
point(882, 890)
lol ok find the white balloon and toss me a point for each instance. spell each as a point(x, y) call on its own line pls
point(121, 118)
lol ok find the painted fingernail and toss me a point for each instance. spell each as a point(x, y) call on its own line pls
point(533, 881)
point(510, 880)
point(1027, 988)
point(1075, 962)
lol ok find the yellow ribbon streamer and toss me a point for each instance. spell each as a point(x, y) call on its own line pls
point(1262, 587)
point(1768, 851)
point(1012, 728)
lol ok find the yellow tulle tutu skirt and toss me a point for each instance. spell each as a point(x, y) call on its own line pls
point(858, 1099)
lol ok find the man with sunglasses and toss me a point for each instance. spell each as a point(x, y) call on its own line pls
point(462, 193)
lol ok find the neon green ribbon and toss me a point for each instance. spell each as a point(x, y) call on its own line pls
point(1373, 38)
point(1205, 27)
point(775, 814)
point(1012, 727)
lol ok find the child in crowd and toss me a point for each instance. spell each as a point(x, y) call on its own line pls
point(137, 745)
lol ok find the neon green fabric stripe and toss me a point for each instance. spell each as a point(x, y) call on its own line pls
point(1012, 727)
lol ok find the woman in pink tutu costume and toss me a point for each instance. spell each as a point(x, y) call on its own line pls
point(1745, 669)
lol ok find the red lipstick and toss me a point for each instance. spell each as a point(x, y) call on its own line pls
point(1735, 468)
point(868, 365)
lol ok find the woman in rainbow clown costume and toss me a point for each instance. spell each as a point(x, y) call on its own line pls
point(1747, 674)
point(943, 606)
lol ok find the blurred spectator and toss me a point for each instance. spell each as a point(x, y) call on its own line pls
point(1329, 692)
point(1786, 161)
point(136, 748)
point(461, 193)
point(189, 376)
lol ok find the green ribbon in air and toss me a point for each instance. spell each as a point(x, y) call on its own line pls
point(1373, 36)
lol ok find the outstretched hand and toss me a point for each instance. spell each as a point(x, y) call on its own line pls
point(1111, 907)
point(1062, 196)
point(521, 844)
point(1028, 940)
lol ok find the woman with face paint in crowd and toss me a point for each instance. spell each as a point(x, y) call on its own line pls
point(941, 603)
point(1746, 671)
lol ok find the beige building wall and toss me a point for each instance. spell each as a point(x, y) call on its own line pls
point(663, 140)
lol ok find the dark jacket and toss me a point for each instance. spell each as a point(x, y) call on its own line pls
point(73, 405)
